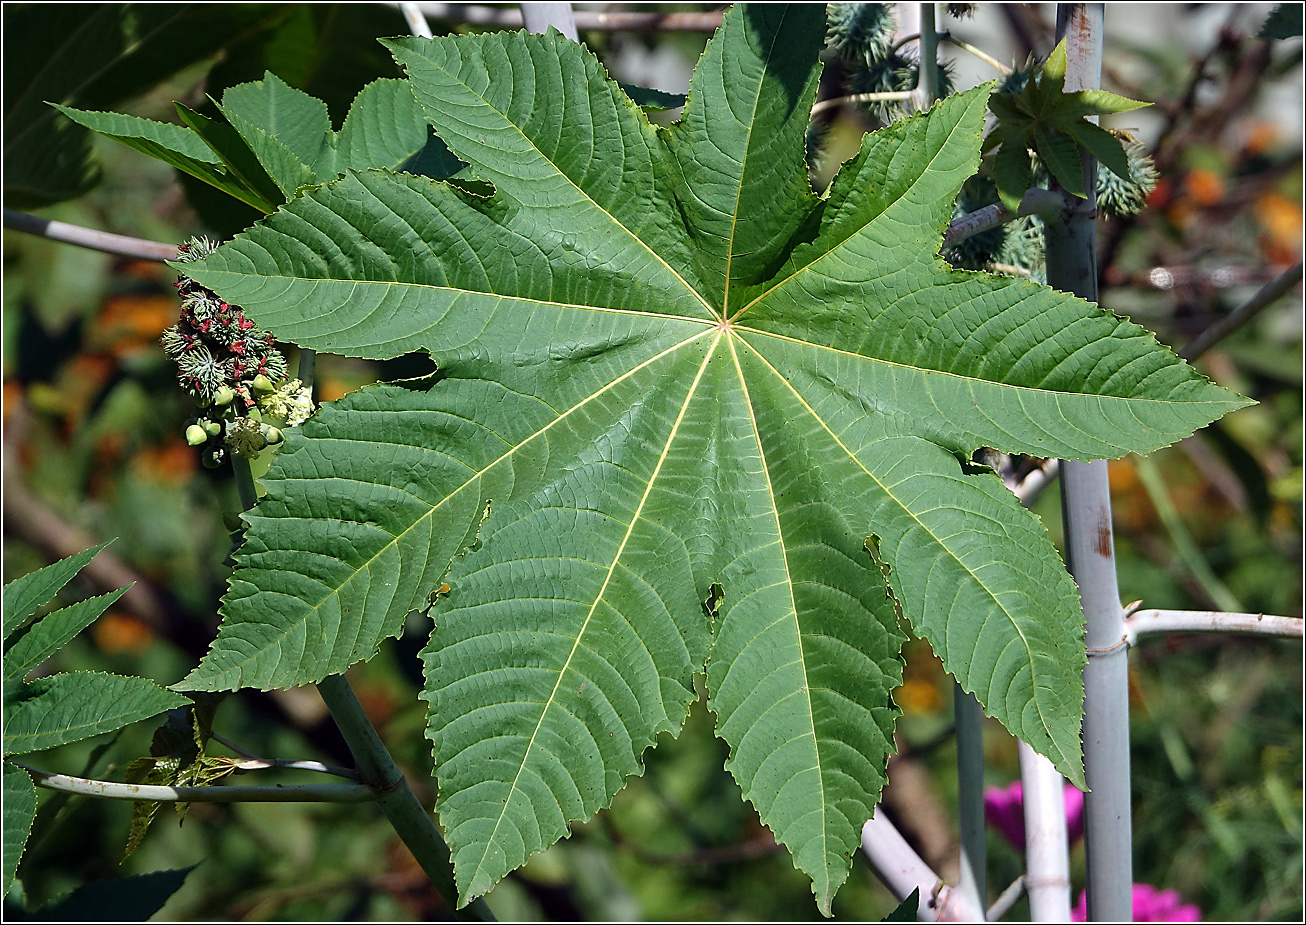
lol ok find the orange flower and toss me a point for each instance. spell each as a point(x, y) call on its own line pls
point(116, 633)
point(1204, 187)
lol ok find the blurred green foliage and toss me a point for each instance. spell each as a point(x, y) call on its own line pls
point(93, 448)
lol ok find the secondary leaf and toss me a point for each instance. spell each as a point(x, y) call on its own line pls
point(54, 630)
point(1046, 119)
point(670, 374)
point(19, 811)
point(76, 705)
point(384, 127)
point(24, 596)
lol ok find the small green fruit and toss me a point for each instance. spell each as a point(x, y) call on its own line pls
point(212, 428)
point(262, 383)
point(223, 395)
point(274, 436)
point(196, 435)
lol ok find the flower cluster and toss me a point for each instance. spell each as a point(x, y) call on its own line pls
point(233, 368)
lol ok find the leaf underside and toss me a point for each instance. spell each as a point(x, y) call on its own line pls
point(671, 374)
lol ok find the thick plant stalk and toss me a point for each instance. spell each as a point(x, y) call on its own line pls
point(396, 799)
point(1047, 855)
point(1090, 553)
point(972, 882)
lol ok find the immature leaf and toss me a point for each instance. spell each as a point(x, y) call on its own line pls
point(384, 127)
point(236, 157)
point(175, 145)
point(76, 705)
point(670, 375)
point(19, 811)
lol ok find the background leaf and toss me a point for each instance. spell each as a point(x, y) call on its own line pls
point(90, 56)
point(128, 899)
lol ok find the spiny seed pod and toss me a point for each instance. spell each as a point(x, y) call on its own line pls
point(195, 249)
point(894, 74)
point(961, 10)
point(1122, 196)
point(860, 32)
point(202, 372)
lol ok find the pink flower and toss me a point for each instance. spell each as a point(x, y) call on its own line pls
point(1004, 810)
point(1149, 905)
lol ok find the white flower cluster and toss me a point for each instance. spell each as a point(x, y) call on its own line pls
point(292, 402)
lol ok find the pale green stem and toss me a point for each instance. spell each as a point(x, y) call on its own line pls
point(884, 97)
point(417, 23)
point(85, 237)
point(254, 762)
point(1209, 621)
point(153, 793)
point(1006, 899)
point(902, 870)
point(1090, 546)
point(244, 482)
point(1184, 546)
point(978, 53)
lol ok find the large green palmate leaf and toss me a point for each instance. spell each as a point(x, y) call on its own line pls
point(688, 416)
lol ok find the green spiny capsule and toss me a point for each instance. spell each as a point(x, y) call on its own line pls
point(196, 435)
